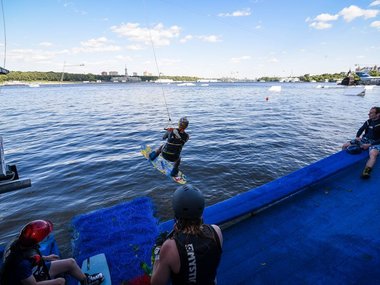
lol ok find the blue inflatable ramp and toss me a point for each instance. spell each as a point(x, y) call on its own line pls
point(125, 233)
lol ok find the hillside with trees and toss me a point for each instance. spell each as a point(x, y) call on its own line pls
point(37, 76)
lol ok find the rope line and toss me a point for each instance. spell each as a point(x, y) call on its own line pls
point(157, 68)
point(5, 34)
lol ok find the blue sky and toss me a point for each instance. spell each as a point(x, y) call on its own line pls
point(208, 38)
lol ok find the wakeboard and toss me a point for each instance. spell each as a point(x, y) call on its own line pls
point(162, 165)
point(95, 264)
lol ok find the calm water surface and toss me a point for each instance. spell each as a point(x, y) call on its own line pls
point(79, 144)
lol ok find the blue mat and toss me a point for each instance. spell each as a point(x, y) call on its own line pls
point(125, 233)
point(327, 234)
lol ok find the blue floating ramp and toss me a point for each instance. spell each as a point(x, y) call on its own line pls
point(263, 196)
point(125, 233)
point(326, 234)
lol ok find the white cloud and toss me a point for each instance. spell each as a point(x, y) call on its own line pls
point(158, 34)
point(353, 12)
point(375, 3)
point(273, 60)
point(210, 39)
point(135, 47)
point(321, 21)
point(326, 17)
point(375, 24)
point(124, 58)
point(186, 39)
point(239, 13)
point(240, 59)
point(320, 25)
point(350, 13)
point(96, 45)
point(30, 55)
point(45, 44)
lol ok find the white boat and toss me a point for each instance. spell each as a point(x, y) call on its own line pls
point(354, 91)
point(186, 84)
point(276, 88)
point(367, 79)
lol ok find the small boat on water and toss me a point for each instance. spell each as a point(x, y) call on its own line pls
point(367, 79)
point(275, 88)
point(186, 84)
point(354, 91)
point(9, 177)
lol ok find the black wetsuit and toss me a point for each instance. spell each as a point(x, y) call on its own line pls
point(21, 264)
point(173, 147)
point(199, 257)
point(371, 129)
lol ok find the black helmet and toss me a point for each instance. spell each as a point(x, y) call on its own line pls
point(188, 202)
point(183, 123)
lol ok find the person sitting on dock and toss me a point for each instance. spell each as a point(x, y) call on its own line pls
point(370, 140)
point(25, 265)
point(192, 252)
point(171, 150)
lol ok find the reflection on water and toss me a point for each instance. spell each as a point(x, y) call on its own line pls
point(80, 144)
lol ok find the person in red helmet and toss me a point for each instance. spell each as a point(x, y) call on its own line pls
point(171, 150)
point(25, 265)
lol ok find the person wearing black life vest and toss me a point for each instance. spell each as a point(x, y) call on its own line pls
point(171, 150)
point(192, 251)
point(370, 140)
point(24, 264)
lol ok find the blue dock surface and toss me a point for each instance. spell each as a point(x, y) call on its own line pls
point(317, 225)
point(327, 234)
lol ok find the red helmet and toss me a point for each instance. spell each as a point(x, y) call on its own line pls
point(34, 232)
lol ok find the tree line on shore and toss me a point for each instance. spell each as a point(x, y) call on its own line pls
point(32, 76)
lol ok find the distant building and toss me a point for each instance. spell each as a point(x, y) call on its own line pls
point(113, 73)
point(116, 79)
point(104, 73)
point(134, 74)
point(146, 73)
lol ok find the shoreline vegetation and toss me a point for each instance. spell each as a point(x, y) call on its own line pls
point(30, 77)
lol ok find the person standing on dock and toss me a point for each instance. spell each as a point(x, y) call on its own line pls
point(370, 140)
point(193, 250)
point(24, 264)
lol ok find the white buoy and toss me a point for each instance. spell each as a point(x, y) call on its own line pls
point(276, 88)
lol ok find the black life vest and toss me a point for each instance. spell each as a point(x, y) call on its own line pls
point(15, 254)
point(173, 147)
point(199, 257)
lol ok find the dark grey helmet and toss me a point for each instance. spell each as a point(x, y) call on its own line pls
point(183, 123)
point(188, 202)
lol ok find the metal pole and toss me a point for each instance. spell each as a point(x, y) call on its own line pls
point(3, 171)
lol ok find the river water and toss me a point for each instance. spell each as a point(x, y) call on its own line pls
point(79, 144)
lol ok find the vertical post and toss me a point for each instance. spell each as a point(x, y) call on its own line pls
point(3, 171)
point(63, 71)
